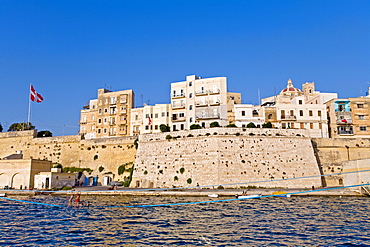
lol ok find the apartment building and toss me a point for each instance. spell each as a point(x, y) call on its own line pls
point(147, 119)
point(108, 115)
point(299, 109)
point(349, 117)
point(201, 101)
point(247, 113)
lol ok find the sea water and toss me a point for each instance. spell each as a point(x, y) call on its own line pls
point(296, 221)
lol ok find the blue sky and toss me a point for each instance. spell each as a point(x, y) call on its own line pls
point(70, 49)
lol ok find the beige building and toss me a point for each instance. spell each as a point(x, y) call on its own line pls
point(349, 117)
point(107, 116)
point(201, 101)
point(147, 119)
point(19, 173)
point(55, 179)
point(296, 109)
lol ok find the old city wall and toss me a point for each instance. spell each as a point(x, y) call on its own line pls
point(70, 151)
point(333, 153)
point(226, 156)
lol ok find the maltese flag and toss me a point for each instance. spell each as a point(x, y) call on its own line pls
point(34, 96)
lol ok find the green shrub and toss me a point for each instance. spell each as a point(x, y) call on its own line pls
point(66, 188)
point(164, 128)
point(231, 126)
point(182, 170)
point(214, 124)
point(136, 143)
point(145, 172)
point(101, 168)
point(58, 166)
point(220, 187)
point(195, 126)
point(168, 137)
point(175, 178)
point(96, 157)
point(251, 125)
point(189, 180)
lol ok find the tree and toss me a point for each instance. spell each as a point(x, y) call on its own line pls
point(21, 126)
point(195, 126)
point(44, 133)
point(267, 125)
point(214, 124)
point(164, 128)
point(251, 125)
point(1, 128)
point(231, 125)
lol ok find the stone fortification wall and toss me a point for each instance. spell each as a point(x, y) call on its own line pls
point(332, 152)
point(226, 156)
point(70, 151)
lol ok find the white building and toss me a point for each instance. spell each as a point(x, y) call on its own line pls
point(247, 113)
point(199, 101)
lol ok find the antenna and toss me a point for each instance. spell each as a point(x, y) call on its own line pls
point(142, 99)
point(259, 97)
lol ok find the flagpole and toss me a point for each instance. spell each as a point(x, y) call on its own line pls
point(29, 107)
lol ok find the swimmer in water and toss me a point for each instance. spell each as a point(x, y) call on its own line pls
point(70, 201)
point(78, 199)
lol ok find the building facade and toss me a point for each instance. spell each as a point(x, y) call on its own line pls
point(200, 101)
point(107, 116)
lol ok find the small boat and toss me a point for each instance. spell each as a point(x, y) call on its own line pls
point(213, 195)
point(249, 196)
point(2, 195)
point(281, 194)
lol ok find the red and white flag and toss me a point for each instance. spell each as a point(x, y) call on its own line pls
point(149, 120)
point(344, 120)
point(34, 96)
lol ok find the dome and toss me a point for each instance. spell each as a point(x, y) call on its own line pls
point(290, 88)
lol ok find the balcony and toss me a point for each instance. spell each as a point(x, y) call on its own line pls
point(289, 118)
point(178, 119)
point(217, 102)
point(208, 116)
point(345, 132)
point(201, 92)
point(214, 91)
point(201, 103)
point(180, 95)
point(344, 121)
point(178, 106)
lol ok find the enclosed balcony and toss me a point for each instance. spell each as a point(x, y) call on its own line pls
point(178, 105)
point(178, 119)
point(214, 91)
point(201, 92)
point(201, 103)
point(215, 102)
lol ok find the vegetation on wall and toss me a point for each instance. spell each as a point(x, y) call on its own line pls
point(251, 125)
point(189, 180)
point(214, 124)
point(182, 170)
point(76, 169)
point(44, 133)
point(231, 125)
point(267, 125)
point(58, 166)
point(21, 126)
point(136, 143)
point(164, 128)
point(101, 168)
point(195, 126)
point(96, 157)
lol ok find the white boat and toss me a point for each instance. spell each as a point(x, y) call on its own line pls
point(2, 195)
point(213, 195)
point(249, 196)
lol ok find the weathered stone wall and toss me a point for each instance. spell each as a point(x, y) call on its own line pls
point(71, 150)
point(226, 156)
point(332, 152)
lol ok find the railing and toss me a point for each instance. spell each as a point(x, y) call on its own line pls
point(214, 91)
point(177, 106)
point(345, 132)
point(344, 121)
point(178, 119)
point(201, 103)
point(200, 92)
point(178, 95)
point(217, 102)
point(287, 117)
point(208, 116)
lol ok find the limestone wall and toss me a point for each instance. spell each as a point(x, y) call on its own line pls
point(226, 156)
point(69, 151)
point(332, 152)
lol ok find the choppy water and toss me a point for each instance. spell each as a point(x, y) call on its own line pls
point(303, 221)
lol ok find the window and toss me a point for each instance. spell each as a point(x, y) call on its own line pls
point(105, 120)
point(93, 117)
point(182, 126)
point(146, 127)
point(301, 113)
point(203, 124)
point(300, 102)
point(99, 120)
point(362, 117)
point(362, 128)
point(320, 125)
point(291, 113)
point(99, 130)
point(105, 131)
point(283, 125)
point(174, 127)
point(136, 117)
point(190, 84)
point(190, 95)
point(163, 114)
point(146, 115)
point(155, 127)
point(190, 107)
point(243, 113)
point(105, 110)
point(301, 126)
point(269, 116)
point(310, 113)
point(360, 105)
point(311, 125)
point(319, 113)
point(191, 120)
point(99, 111)
point(181, 114)
point(156, 115)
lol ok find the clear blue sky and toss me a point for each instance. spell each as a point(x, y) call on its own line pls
point(70, 49)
